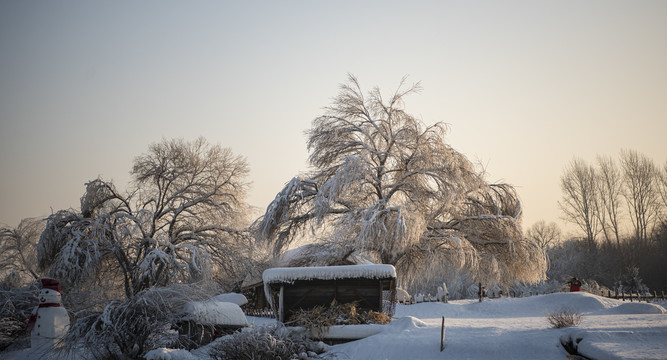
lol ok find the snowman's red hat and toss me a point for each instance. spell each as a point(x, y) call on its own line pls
point(50, 284)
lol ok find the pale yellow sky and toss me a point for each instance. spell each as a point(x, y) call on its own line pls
point(525, 85)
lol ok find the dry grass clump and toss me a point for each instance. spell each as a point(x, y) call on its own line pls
point(564, 318)
point(266, 343)
point(319, 319)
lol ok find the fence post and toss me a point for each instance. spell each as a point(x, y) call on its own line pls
point(480, 292)
point(442, 335)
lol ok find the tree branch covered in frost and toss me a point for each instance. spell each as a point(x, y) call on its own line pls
point(384, 182)
point(18, 250)
point(182, 221)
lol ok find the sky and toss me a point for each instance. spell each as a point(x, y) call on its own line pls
point(525, 86)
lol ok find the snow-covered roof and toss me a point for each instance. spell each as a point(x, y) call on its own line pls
point(328, 273)
point(238, 299)
point(314, 254)
point(214, 313)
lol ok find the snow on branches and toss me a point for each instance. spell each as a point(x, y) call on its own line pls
point(173, 225)
point(385, 183)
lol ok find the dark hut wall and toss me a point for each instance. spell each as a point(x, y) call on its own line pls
point(306, 294)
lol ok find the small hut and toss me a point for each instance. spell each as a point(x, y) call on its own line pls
point(327, 254)
point(372, 287)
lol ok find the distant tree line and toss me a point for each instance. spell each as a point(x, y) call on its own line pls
point(620, 209)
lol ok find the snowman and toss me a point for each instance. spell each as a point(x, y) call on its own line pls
point(49, 320)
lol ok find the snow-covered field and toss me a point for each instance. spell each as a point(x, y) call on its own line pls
point(505, 329)
point(518, 329)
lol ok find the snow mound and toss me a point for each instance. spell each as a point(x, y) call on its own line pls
point(289, 275)
point(214, 313)
point(170, 354)
point(534, 306)
point(238, 299)
point(405, 323)
point(636, 308)
point(580, 302)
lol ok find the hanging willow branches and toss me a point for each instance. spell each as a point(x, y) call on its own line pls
point(387, 184)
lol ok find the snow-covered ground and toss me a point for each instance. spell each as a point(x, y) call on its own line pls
point(518, 329)
point(509, 329)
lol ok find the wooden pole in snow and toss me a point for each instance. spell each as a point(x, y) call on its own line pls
point(442, 335)
point(281, 306)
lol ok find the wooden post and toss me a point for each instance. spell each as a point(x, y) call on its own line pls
point(442, 335)
point(281, 309)
point(480, 292)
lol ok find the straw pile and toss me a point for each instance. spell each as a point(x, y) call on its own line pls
point(319, 319)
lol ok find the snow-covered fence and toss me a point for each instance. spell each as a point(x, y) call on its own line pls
point(444, 298)
point(632, 296)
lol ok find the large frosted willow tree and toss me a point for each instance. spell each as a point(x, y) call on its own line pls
point(384, 183)
point(182, 217)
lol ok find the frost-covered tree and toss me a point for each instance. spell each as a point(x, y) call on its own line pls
point(662, 176)
point(181, 221)
point(18, 250)
point(545, 235)
point(609, 189)
point(579, 202)
point(640, 175)
point(385, 183)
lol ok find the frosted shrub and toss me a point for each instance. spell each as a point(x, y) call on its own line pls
point(15, 308)
point(266, 343)
point(564, 318)
point(134, 326)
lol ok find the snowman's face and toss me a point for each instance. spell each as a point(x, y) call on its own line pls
point(47, 296)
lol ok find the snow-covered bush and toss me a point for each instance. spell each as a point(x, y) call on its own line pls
point(266, 343)
point(631, 281)
point(132, 327)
